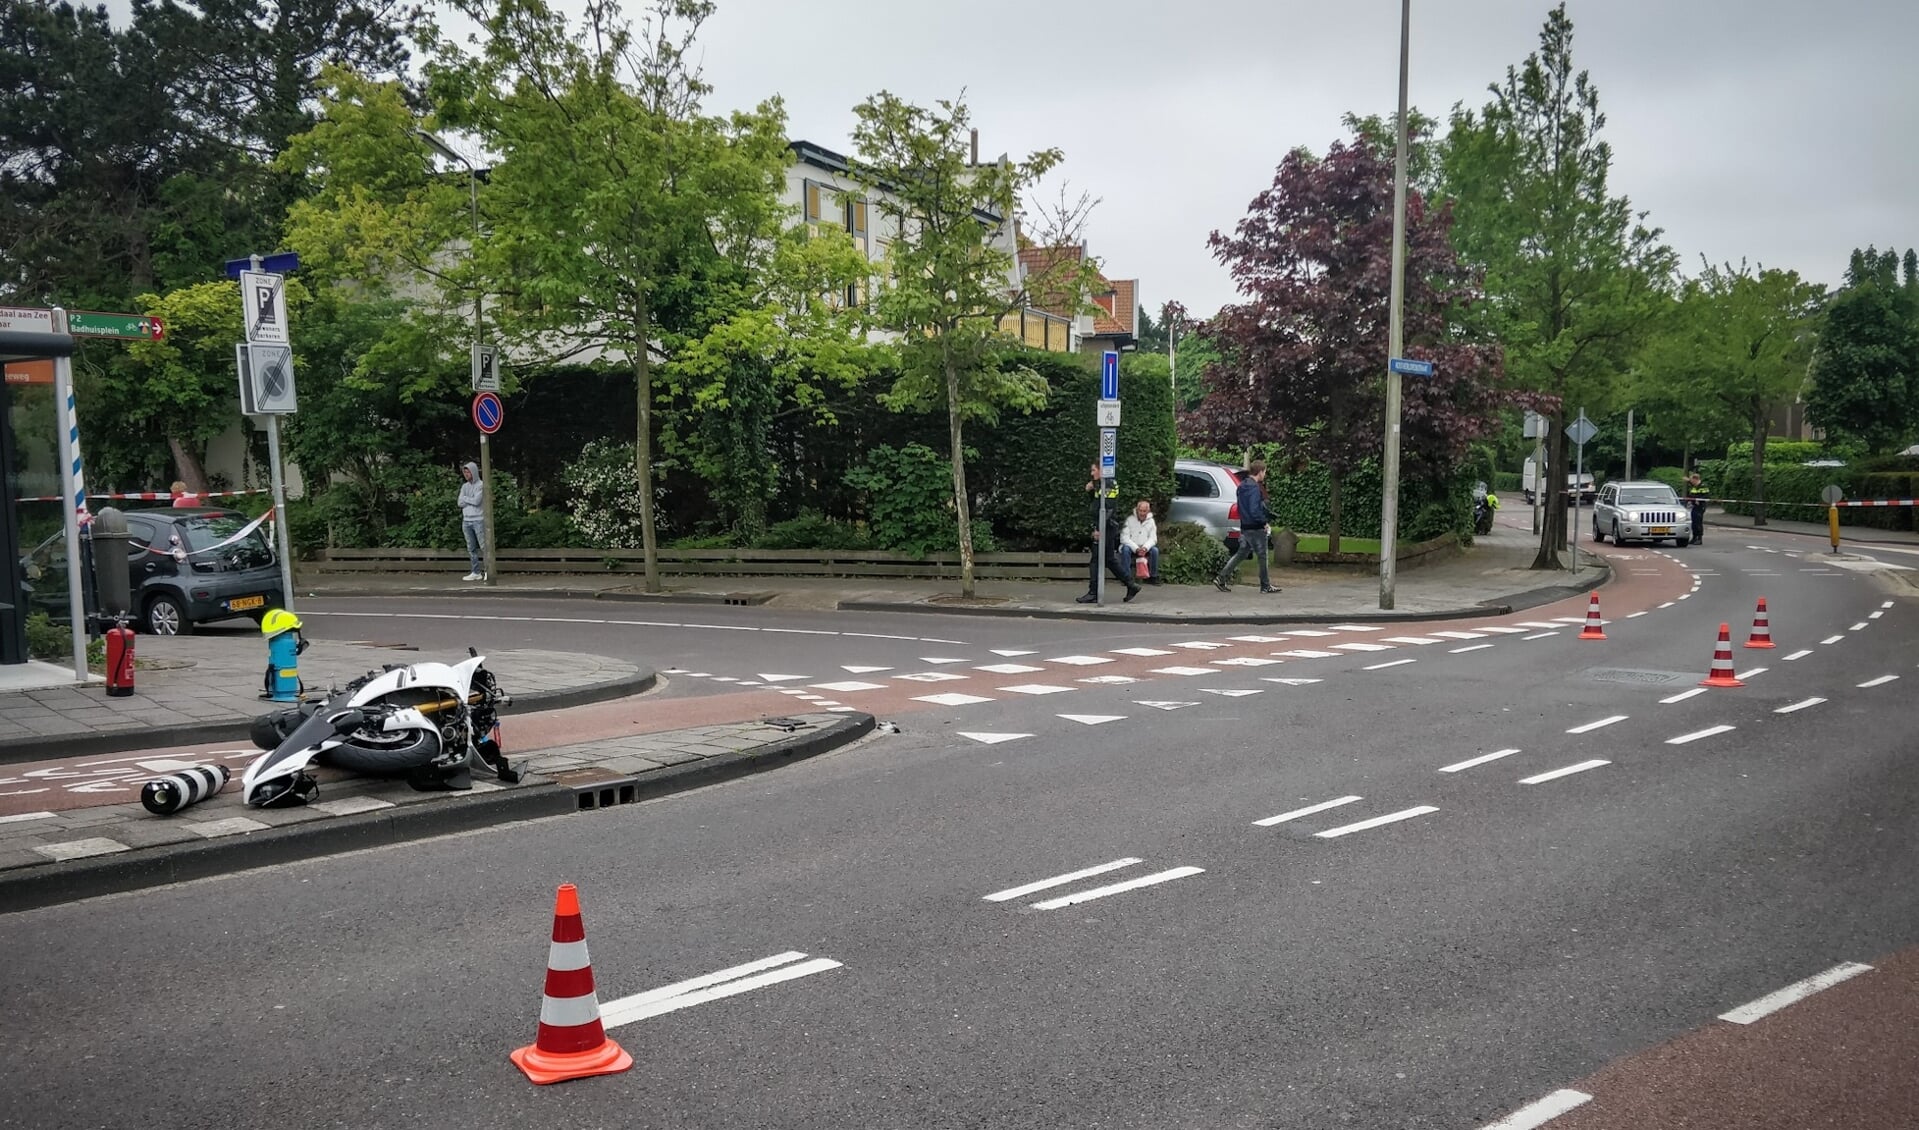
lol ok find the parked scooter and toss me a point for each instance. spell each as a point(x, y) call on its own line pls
point(432, 723)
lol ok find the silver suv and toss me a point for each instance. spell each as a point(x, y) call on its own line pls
point(1640, 511)
point(1206, 495)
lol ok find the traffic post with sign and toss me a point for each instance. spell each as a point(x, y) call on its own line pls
point(488, 415)
point(265, 363)
point(1107, 409)
point(1581, 432)
point(1831, 496)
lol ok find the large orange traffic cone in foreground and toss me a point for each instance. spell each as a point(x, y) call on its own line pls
point(571, 1044)
point(1761, 628)
point(1593, 629)
point(1721, 674)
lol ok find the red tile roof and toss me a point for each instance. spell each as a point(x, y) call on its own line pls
point(1118, 302)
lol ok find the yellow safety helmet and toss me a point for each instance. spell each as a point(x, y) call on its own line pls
point(277, 621)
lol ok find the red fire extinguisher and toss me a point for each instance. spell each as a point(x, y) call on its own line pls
point(119, 661)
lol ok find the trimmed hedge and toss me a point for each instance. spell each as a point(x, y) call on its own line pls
point(1792, 492)
point(1031, 470)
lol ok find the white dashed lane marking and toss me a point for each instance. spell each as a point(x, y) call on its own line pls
point(1800, 654)
point(1710, 731)
point(1801, 705)
point(1567, 771)
point(1389, 663)
point(1468, 647)
point(1683, 695)
point(1309, 810)
point(1591, 726)
point(1879, 682)
point(1377, 822)
point(1480, 760)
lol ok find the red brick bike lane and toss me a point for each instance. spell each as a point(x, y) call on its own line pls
point(1844, 1056)
point(1641, 581)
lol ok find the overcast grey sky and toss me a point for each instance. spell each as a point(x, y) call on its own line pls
point(1782, 131)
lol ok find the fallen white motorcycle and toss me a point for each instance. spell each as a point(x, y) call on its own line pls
point(432, 723)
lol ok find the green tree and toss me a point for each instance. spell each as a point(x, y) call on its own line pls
point(619, 213)
point(1865, 381)
point(787, 350)
point(950, 270)
point(1737, 351)
point(1574, 275)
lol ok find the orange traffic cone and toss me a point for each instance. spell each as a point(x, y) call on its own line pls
point(1761, 628)
point(1721, 674)
point(1593, 630)
point(571, 1044)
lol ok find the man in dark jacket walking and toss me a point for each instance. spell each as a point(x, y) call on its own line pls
point(1253, 518)
point(1106, 541)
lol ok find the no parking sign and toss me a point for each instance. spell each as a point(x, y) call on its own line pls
point(488, 412)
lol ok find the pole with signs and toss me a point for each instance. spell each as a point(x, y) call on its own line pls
point(266, 386)
point(1396, 328)
point(1108, 409)
point(74, 490)
point(486, 382)
point(1581, 432)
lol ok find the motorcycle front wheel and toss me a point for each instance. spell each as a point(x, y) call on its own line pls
point(384, 755)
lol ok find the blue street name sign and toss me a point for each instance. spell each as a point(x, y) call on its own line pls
point(1407, 367)
point(1109, 376)
point(286, 262)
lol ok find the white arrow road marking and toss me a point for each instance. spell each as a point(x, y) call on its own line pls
point(1800, 705)
point(1797, 991)
point(1567, 771)
point(1480, 760)
point(1117, 888)
point(1377, 821)
point(1307, 811)
point(1092, 719)
point(985, 738)
point(1060, 880)
point(950, 699)
point(711, 987)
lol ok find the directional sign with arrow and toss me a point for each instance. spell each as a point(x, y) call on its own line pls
point(128, 327)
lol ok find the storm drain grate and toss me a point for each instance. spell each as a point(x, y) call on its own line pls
point(1642, 677)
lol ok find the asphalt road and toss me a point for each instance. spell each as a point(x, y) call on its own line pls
point(1499, 940)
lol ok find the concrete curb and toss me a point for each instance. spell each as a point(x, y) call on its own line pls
point(15, 751)
point(1846, 533)
point(1531, 598)
point(562, 593)
point(141, 868)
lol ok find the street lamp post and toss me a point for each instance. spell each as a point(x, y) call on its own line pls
point(1395, 334)
point(486, 453)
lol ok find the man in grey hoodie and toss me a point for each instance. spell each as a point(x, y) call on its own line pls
point(473, 519)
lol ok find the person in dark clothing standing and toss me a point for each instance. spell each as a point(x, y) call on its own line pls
point(1253, 518)
point(1106, 541)
point(1696, 498)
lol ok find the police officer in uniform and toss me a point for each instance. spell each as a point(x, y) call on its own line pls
point(1696, 496)
point(1105, 542)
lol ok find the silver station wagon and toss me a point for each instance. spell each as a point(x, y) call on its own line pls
point(1640, 511)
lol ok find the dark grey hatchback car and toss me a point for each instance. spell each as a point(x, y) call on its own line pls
point(188, 566)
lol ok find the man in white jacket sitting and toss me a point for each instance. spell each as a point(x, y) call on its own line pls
point(1141, 535)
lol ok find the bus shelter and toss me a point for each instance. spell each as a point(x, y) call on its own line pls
point(21, 351)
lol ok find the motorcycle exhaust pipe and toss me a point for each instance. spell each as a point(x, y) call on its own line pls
point(164, 796)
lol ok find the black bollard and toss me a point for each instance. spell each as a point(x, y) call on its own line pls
point(164, 796)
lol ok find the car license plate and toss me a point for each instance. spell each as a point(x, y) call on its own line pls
point(1662, 529)
point(242, 603)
